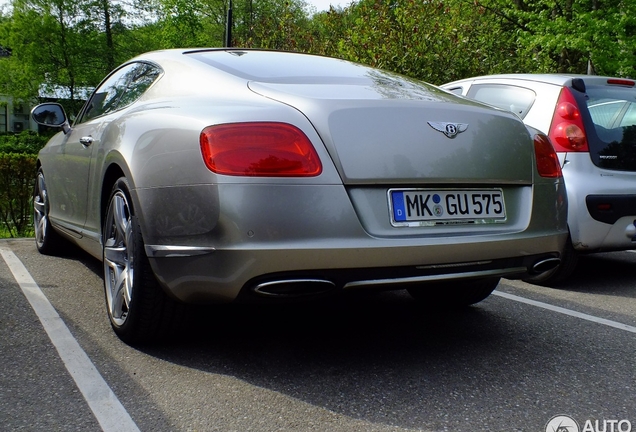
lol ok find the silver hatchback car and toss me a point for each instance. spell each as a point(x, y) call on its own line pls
point(591, 121)
point(220, 175)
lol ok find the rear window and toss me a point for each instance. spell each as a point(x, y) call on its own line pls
point(271, 66)
point(612, 112)
point(511, 98)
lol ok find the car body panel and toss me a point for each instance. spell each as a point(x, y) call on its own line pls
point(212, 237)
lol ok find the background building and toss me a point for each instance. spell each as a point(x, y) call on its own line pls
point(15, 117)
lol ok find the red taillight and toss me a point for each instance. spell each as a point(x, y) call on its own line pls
point(264, 149)
point(547, 160)
point(567, 131)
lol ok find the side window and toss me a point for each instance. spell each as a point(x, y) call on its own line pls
point(611, 113)
point(120, 89)
point(605, 112)
point(630, 116)
point(508, 97)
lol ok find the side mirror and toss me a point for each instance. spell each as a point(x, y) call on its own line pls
point(52, 115)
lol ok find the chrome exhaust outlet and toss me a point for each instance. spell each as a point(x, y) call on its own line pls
point(545, 265)
point(293, 288)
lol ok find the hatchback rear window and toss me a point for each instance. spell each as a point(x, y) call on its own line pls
point(509, 97)
point(612, 112)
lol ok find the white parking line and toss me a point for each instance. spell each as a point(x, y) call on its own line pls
point(109, 412)
point(569, 312)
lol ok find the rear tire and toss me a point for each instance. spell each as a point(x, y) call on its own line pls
point(138, 308)
point(558, 275)
point(454, 293)
point(47, 240)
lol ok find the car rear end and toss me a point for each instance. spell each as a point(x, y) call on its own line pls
point(594, 131)
point(590, 121)
point(414, 187)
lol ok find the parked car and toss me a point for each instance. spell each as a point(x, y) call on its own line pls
point(219, 175)
point(591, 121)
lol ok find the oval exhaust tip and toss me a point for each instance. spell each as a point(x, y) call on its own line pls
point(546, 265)
point(294, 288)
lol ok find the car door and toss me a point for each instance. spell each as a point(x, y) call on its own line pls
point(68, 179)
point(73, 155)
point(112, 101)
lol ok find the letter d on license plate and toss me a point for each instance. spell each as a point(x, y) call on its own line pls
point(446, 206)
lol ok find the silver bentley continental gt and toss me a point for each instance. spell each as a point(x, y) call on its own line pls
point(220, 175)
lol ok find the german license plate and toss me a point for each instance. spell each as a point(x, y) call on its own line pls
point(446, 206)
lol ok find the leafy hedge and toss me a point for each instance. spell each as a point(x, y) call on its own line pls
point(18, 155)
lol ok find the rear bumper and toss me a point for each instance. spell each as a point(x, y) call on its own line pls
point(602, 206)
point(225, 275)
point(212, 243)
point(611, 224)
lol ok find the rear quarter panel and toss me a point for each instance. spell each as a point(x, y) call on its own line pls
point(159, 146)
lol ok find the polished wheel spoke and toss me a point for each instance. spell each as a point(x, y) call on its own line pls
point(41, 184)
point(39, 205)
point(120, 216)
point(116, 255)
point(117, 302)
point(40, 228)
point(40, 211)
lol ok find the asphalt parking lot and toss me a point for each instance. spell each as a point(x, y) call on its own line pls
point(361, 362)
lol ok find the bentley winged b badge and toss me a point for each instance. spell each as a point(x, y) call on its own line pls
point(448, 129)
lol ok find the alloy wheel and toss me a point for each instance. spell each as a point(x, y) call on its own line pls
point(119, 258)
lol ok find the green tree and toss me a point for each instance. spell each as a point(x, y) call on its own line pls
point(273, 24)
point(573, 35)
point(67, 45)
point(433, 40)
point(46, 48)
point(190, 23)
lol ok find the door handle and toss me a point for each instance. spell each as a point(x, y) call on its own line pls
point(86, 141)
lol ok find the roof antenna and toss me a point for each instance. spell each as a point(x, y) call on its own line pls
point(228, 27)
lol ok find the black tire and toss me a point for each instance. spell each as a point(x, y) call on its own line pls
point(558, 275)
point(454, 293)
point(47, 240)
point(138, 308)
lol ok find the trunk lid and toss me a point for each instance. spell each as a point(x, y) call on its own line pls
point(393, 131)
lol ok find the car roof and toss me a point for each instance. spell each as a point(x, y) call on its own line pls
point(263, 65)
point(548, 78)
point(179, 54)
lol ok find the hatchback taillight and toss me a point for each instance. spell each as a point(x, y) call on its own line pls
point(259, 149)
point(567, 131)
point(547, 160)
